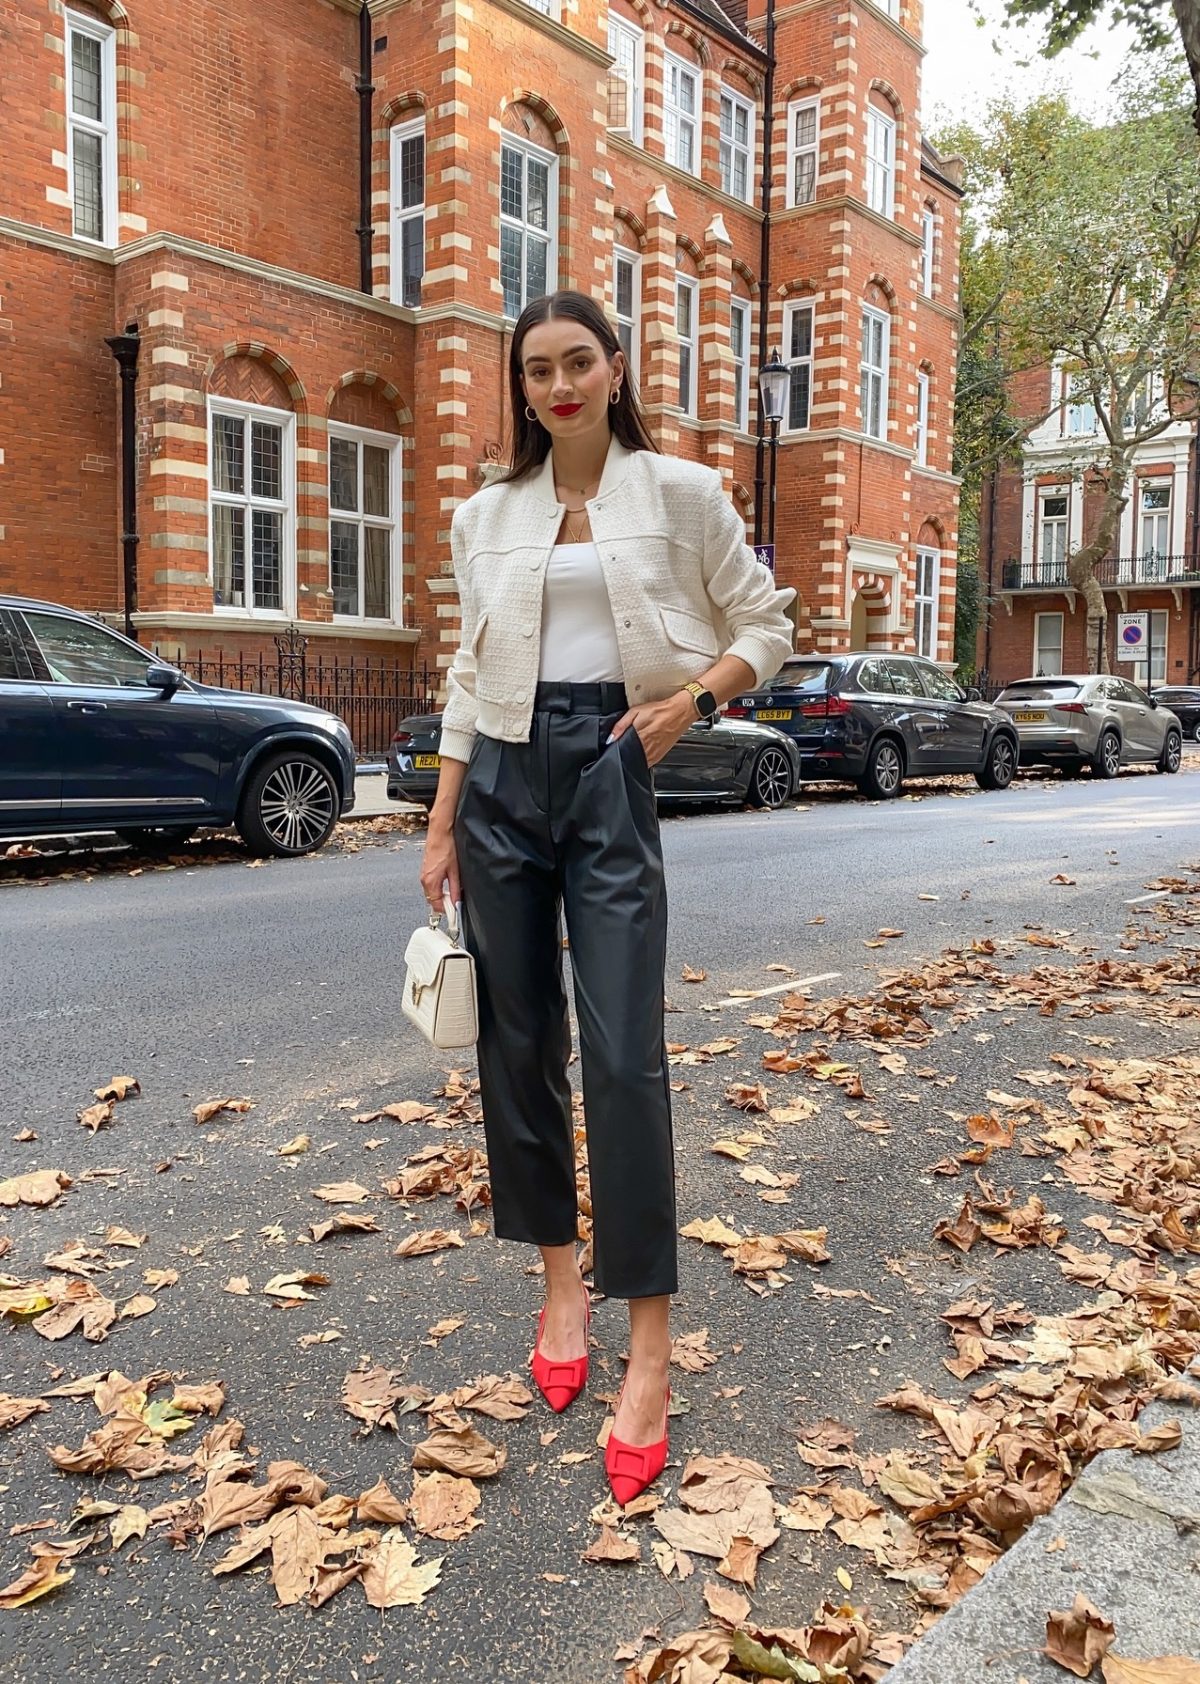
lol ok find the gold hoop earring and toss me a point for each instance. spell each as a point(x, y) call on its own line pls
point(615, 395)
point(530, 412)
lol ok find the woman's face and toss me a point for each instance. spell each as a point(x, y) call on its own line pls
point(567, 378)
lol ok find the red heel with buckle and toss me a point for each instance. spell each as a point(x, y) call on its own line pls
point(560, 1383)
point(632, 1467)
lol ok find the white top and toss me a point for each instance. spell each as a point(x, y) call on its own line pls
point(579, 635)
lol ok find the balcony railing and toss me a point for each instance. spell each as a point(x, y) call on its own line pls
point(1114, 573)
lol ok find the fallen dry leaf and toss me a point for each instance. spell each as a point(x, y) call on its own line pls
point(40, 1187)
point(1163, 1669)
point(393, 1578)
point(210, 1108)
point(381, 1504)
point(14, 1410)
point(1076, 1638)
point(460, 1450)
point(345, 1222)
point(444, 1505)
point(294, 1147)
point(432, 1239)
point(341, 1193)
point(726, 1605)
point(118, 1087)
point(612, 1546)
point(46, 1574)
point(291, 1285)
point(95, 1116)
point(239, 1285)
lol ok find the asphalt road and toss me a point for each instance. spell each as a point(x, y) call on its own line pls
point(281, 983)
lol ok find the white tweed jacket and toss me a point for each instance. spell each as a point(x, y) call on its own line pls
point(684, 587)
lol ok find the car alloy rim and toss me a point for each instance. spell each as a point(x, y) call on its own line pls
point(774, 780)
point(887, 767)
point(296, 805)
point(1002, 759)
point(1174, 751)
point(1112, 753)
point(1196, 731)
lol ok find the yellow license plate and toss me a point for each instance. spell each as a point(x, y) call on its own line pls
point(1029, 717)
point(424, 761)
point(774, 713)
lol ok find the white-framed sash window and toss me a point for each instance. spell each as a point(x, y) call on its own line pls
point(928, 249)
point(736, 150)
point(1154, 515)
point(681, 113)
point(528, 223)
point(739, 340)
point(881, 161)
point(922, 419)
point(798, 354)
point(252, 504)
point(364, 529)
point(804, 143)
point(626, 78)
point(1158, 646)
point(1047, 645)
point(1079, 414)
point(873, 371)
point(408, 212)
point(1053, 523)
point(687, 303)
point(925, 602)
point(91, 79)
point(627, 303)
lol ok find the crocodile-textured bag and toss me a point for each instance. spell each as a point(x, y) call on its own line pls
point(439, 985)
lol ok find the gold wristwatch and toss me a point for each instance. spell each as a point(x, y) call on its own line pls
point(706, 702)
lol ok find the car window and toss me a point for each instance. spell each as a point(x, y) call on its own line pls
point(803, 675)
point(937, 683)
point(1109, 689)
point(1133, 693)
point(904, 678)
point(874, 679)
point(81, 652)
point(13, 660)
point(1040, 690)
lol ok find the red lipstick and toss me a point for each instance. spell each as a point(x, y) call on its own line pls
point(565, 408)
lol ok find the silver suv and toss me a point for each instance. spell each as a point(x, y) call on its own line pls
point(1096, 720)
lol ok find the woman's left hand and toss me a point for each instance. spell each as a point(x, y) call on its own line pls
point(659, 725)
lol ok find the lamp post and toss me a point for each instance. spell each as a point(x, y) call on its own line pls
point(773, 382)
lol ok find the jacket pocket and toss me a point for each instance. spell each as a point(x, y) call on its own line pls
point(689, 631)
point(477, 634)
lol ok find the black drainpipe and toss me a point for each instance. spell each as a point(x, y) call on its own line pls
point(764, 269)
point(125, 347)
point(364, 88)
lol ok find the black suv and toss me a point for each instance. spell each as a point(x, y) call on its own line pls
point(97, 734)
point(876, 719)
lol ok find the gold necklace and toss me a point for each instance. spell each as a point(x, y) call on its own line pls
point(572, 536)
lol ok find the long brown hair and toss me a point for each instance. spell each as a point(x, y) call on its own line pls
point(531, 441)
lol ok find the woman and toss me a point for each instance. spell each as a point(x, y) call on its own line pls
point(609, 599)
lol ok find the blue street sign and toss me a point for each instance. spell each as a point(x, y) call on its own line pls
point(766, 554)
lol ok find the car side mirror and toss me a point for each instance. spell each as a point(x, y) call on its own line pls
point(974, 694)
point(1153, 703)
point(160, 676)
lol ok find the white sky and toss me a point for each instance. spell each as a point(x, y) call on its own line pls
point(962, 69)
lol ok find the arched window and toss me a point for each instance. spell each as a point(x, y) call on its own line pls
point(528, 208)
point(929, 245)
point(627, 295)
point(881, 156)
point(91, 77)
point(408, 209)
point(252, 487)
point(874, 364)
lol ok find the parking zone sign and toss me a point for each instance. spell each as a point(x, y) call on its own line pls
point(1133, 636)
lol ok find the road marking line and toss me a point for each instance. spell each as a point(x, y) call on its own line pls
point(778, 988)
point(1159, 894)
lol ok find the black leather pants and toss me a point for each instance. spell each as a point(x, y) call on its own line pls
point(566, 820)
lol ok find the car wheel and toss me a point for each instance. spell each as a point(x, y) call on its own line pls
point(289, 805)
point(1196, 731)
point(771, 779)
point(884, 771)
point(1000, 767)
point(1172, 753)
point(1108, 756)
point(158, 839)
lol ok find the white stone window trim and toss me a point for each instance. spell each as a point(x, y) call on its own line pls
point(791, 309)
point(672, 62)
point(689, 400)
point(796, 151)
point(929, 562)
point(402, 214)
point(548, 8)
point(1050, 568)
point(924, 387)
point(78, 23)
point(1040, 645)
point(284, 418)
point(741, 367)
point(392, 444)
point(619, 25)
point(526, 228)
point(875, 374)
point(880, 183)
point(625, 254)
point(743, 102)
point(929, 242)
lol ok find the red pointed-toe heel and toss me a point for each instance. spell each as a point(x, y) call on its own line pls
point(560, 1383)
point(632, 1467)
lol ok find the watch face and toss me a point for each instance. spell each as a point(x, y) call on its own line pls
point(706, 702)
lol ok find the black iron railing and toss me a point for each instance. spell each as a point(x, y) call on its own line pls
point(370, 693)
point(1113, 573)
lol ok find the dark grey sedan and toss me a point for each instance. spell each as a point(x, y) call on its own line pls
point(97, 734)
point(727, 762)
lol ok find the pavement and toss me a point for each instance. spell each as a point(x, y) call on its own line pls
point(280, 981)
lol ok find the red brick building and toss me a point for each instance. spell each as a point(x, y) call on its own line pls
point(1040, 510)
point(318, 388)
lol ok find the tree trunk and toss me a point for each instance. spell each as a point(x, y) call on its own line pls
point(1081, 568)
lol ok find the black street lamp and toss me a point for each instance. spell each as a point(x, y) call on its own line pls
point(774, 380)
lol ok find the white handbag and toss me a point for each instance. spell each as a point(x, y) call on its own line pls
point(439, 984)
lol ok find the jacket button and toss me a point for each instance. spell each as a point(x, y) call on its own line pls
point(527, 631)
point(628, 622)
point(522, 695)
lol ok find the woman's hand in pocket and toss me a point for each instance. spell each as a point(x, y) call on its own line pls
point(659, 725)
